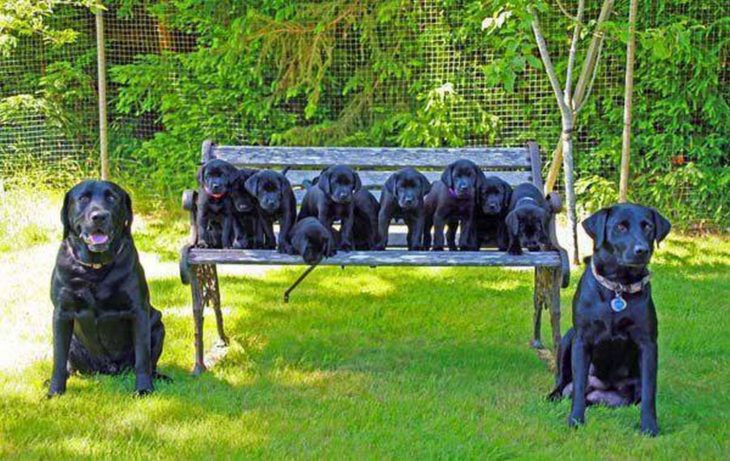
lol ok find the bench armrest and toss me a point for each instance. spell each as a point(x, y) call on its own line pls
point(188, 199)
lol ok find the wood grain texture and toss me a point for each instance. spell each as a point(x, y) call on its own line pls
point(380, 258)
point(373, 157)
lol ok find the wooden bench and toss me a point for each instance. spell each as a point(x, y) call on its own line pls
point(374, 165)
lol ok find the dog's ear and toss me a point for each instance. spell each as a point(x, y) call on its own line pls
point(425, 184)
point(506, 195)
point(324, 181)
point(252, 184)
point(447, 177)
point(595, 226)
point(128, 210)
point(662, 226)
point(284, 183)
point(358, 184)
point(512, 224)
point(201, 172)
point(389, 185)
point(64, 214)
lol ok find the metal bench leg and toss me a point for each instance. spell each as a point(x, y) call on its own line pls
point(556, 280)
point(298, 281)
point(540, 302)
point(214, 298)
point(198, 306)
point(204, 286)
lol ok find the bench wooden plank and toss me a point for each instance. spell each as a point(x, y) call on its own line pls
point(380, 258)
point(371, 157)
point(376, 179)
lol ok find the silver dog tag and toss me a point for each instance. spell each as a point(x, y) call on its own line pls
point(618, 303)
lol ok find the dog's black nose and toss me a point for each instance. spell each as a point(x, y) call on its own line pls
point(100, 216)
point(641, 250)
point(408, 201)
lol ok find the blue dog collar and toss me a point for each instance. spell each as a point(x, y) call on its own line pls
point(618, 303)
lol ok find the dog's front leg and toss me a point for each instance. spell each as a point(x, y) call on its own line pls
point(384, 217)
point(202, 222)
point(648, 370)
point(468, 234)
point(142, 337)
point(63, 326)
point(580, 360)
point(347, 222)
point(417, 226)
point(439, 221)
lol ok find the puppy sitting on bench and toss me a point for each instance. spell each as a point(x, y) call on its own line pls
point(102, 318)
point(276, 201)
point(402, 197)
point(528, 221)
point(215, 212)
point(610, 355)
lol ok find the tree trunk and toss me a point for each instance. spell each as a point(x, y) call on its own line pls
point(629, 90)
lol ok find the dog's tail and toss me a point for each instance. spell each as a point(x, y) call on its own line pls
point(286, 170)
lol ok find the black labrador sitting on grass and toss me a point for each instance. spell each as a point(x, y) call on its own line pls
point(215, 210)
point(102, 319)
point(609, 357)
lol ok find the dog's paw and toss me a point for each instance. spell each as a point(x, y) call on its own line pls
point(203, 244)
point(55, 392)
point(650, 428)
point(576, 420)
point(143, 385)
point(555, 396)
point(435, 248)
point(379, 247)
point(162, 377)
point(515, 251)
point(346, 247)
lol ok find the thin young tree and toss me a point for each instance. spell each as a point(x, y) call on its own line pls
point(570, 98)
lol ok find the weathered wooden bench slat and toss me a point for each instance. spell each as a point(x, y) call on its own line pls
point(375, 179)
point(372, 157)
point(380, 258)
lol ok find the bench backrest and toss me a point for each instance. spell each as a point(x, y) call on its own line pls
point(375, 164)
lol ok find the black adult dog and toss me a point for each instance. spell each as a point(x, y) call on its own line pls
point(215, 210)
point(402, 198)
point(331, 197)
point(276, 201)
point(102, 319)
point(493, 203)
point(528, 220)
point(452, 200)
point(610, 354)
point(248, 226)
point(310, 239)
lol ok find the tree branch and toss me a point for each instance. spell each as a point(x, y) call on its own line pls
point(547, 62)
point(568, 93)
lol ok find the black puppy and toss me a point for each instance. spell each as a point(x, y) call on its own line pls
point(215, 211)
point(365, 227)
point(452, 200)
point(332, 198)
point(493, 203)
point(528, 220)
point(610, 354)
point(102, 318)
point(310, 239)
point(276, 201)
point(248, 226)
point(402, 197)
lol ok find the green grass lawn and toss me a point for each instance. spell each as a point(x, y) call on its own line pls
point(383, 363)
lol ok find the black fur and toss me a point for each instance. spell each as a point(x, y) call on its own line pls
point(403, 198)
point(528, 220)
point(214, 208)
point(310, 239)
point(611, 357)
point(276, 202)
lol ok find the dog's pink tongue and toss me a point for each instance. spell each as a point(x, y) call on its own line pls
point(98, 239)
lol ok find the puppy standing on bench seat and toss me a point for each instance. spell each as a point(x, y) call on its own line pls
point(402, 197)
point(102, 318)
point(610, 355)
point(332, 198)
point(215, 211)
point(276, 201)
point(452, 200)
point(365, 226)
point(528, 221)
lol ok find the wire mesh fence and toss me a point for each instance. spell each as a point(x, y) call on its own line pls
point(48, 105)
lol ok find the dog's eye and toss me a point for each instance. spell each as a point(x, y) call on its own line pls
point(647, 227)
point(84, 199)
point(111, 198)
point(622, 227)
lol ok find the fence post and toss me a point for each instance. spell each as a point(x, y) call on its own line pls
point(101, 65)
